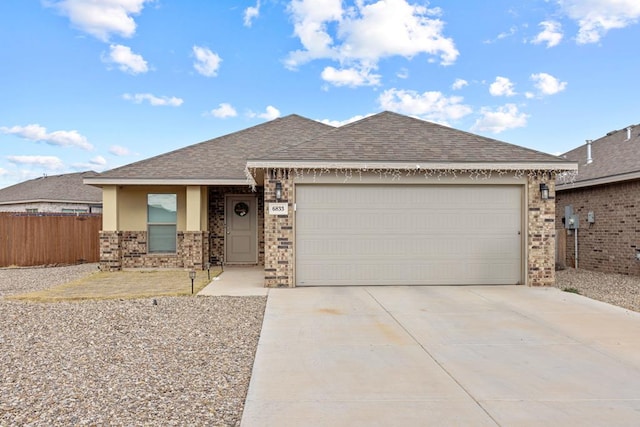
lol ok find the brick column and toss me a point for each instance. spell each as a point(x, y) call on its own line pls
point(278, 232)
point(192, 249)
point(110, 250)
point(541, 235)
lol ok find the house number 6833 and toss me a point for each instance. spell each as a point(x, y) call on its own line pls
point(278, 208)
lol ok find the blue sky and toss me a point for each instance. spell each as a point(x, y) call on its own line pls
point(95, 84)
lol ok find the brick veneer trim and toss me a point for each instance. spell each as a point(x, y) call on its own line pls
point(540, 232)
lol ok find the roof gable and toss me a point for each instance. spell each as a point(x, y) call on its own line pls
point(614, 156)
point(222, 158)
point(391, 137)
point(54, 188)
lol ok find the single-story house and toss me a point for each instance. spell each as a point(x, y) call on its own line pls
point(600, 205)
point(386, 200)
point(53, 194)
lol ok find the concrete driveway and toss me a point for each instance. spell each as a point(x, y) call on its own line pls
point(421, 356)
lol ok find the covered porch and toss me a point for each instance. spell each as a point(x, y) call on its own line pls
point(173, 226)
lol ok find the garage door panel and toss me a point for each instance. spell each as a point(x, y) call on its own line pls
point(404, 273)
point(411, 235)
point(410, 247)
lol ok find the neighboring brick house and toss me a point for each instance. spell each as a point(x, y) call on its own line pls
point(605, 199)
point(386, 200)
point(53, 194)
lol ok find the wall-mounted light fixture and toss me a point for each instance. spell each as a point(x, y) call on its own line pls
point(278, 190)
point(544, 191)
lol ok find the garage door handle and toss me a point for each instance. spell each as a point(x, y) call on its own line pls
point(518, 233)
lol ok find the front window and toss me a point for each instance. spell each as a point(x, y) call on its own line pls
point(162, 217)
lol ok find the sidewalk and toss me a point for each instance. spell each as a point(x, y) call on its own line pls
point(237, 281)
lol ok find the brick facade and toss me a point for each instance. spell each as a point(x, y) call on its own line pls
point(217, 215)
point(278, 230)
point(611, 243)
point(540, 238)
point(541, 233)
point(110, 251)
point(128, 249)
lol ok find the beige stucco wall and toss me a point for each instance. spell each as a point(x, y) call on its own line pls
point(196, 208)
point(110, 208)
point(132, 206)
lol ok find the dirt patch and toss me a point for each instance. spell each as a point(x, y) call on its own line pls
point(122, 285)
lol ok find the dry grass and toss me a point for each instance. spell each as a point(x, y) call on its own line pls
point(122, 285)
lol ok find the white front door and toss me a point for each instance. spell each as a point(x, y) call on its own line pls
point(241, 234)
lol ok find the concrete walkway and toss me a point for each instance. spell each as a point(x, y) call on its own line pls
point(416, 356)
point(237, 281)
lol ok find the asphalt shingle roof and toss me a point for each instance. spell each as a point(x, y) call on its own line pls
point(224, 157)
point(62, 188)
point(391, 137)
point(612, 155)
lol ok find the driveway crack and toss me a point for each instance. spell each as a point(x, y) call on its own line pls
point(432, 357)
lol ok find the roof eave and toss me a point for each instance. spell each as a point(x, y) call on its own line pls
point(77, 202)
point(598, 181)
point(310, 164)
point(101, 181)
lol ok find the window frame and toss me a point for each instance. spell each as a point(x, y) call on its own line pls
point(163, 224)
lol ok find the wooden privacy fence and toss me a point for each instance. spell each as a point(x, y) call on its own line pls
point(45, 239)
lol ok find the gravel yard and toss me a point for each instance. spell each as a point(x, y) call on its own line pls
point(184, 361)
point(616, 289)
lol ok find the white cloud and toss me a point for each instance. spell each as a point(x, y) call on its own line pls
point(270, 113)
point(224, 111)
point(459, 84)
point(596, 17)
point(403, 73)
point(512, 31)
point(118, 150)
point(207, 62)
point(3, 172)
point(62, 138)
point(101, 18)
point(551, 34)
point(502, 86)
point(499, 120)
point(367, 32)
point(547, 84)
point(48, 162)
point(351, 77)
point(97, 163)
point(138, 98)
point(251, 13)
point(338, 123)
point(126, 60)
point(98, 160)
point(429, 105)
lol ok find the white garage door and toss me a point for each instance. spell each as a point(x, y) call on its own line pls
point(408, 235)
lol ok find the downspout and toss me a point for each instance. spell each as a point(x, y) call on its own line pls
point(575, 234)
